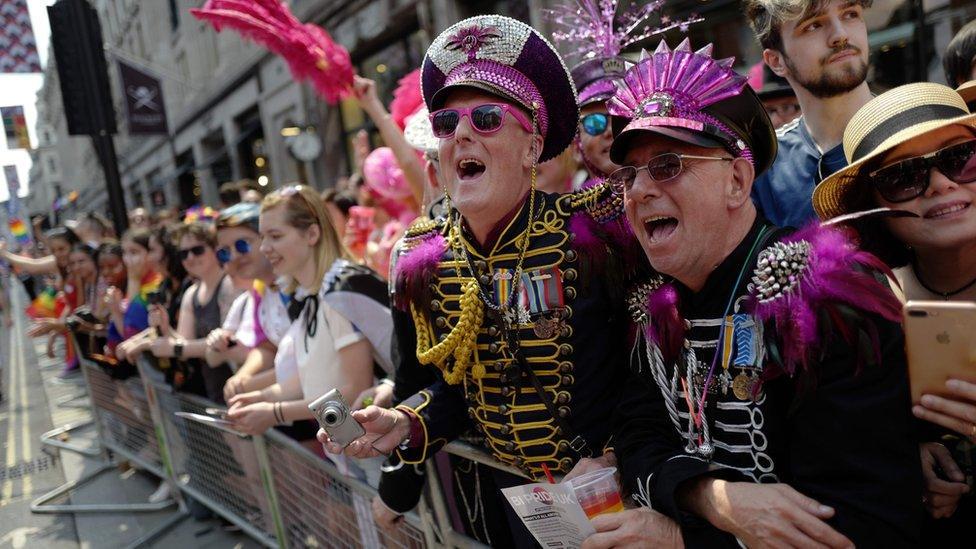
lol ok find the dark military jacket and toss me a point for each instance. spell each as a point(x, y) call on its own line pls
point(839, 432)
point(568, 324)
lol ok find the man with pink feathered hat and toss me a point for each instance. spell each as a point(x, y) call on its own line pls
point(768, 403)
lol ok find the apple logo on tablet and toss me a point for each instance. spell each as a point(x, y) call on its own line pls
point(943, 338)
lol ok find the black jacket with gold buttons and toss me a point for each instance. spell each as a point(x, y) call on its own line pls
point(568, 319)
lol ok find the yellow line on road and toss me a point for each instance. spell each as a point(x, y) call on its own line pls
point(26, 449)
point(12, 398)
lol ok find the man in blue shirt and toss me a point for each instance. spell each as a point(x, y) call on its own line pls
point(821, 48)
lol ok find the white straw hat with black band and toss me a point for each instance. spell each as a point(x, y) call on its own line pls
point(890, 119)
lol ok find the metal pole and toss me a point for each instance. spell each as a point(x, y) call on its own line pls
point(921, 64)
point(102, 140)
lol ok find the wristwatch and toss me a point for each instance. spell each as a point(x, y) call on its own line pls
point(178, 349)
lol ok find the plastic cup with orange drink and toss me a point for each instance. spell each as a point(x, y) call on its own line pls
point(597, 492)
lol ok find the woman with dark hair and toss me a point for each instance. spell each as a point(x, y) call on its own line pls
point(913, 150)
point(78, 289)
point(165, 256)
point(201, 309)
point(129, 310)
point(60, 241)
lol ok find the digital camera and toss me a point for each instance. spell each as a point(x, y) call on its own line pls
point(334, 416)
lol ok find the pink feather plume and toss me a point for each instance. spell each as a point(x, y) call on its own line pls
point(310, 52)
point(407, 98)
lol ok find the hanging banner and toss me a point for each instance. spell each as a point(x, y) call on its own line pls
point(18, 49)
point(143, 101)
point(15, 127)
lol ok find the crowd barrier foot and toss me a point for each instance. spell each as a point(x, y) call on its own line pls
point(52, 438)
point(69, 401)
point(170, 522)
point(40, 505)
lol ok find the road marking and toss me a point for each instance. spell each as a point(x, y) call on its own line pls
point(12, 398)
point(27, 448)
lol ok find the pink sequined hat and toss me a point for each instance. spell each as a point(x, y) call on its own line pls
point(511, 60)
point(690, 96)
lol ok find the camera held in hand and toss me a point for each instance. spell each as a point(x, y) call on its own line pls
point(335, 417)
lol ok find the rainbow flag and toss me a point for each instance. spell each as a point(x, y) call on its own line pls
point(19, 230)
point(47, 304)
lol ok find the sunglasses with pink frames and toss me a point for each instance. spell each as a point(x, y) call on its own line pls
point(485, 118)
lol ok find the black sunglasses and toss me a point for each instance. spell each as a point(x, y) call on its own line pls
point(197, 250)
point(241, 246)
point(662, 167)
point(909, 178)
point(595, 123)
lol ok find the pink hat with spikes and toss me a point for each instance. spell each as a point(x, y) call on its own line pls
point(690, 96)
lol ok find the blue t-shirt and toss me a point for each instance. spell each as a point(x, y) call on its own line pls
point(784, 193)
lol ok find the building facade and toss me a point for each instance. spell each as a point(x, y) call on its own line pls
point(228, 102)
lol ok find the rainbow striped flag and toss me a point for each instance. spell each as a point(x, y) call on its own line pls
point(19, 231)
point(149, 284)
point(46, 305)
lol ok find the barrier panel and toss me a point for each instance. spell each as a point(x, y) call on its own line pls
point(272, 487)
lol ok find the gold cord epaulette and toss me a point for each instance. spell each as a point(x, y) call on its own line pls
point(598, 201)
point(460, 343)
point(420, 227)
point(587, 198)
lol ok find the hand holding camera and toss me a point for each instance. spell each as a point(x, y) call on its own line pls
point(384, 430)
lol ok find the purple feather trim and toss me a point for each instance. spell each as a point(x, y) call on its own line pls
point(416, 268)
point(837, 274)
point(666, 329)
point(585, 229)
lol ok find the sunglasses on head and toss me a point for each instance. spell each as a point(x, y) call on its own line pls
point(909, 178)
point(197, 250)
point(662, 167)
point(595, 123)
point(241, 246)
point(485, 118)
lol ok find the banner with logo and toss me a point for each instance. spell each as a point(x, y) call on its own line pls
point(15, 127)
point(18, 49)
point(143, 101)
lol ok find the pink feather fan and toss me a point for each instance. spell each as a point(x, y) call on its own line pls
point(310, 52)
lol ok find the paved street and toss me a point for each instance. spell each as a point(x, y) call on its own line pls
point(34, 402)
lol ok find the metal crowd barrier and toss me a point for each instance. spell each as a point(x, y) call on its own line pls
point(277, 491)
point(122, 416)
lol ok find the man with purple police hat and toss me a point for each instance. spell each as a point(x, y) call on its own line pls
point(768, 402)
point(515, 306)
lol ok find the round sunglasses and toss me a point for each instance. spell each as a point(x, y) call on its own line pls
point(595, 123)
point(662, 167)
point(485, 119)
point(241, 246)
point(197, 250)
point(909, 178)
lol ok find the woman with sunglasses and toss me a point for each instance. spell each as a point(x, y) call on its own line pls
point(252, 337)
point(202, 308)
point(913, 149)
point(344, 326)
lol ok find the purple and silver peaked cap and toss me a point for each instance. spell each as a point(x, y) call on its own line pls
point(510, 59)
point(690, 96)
